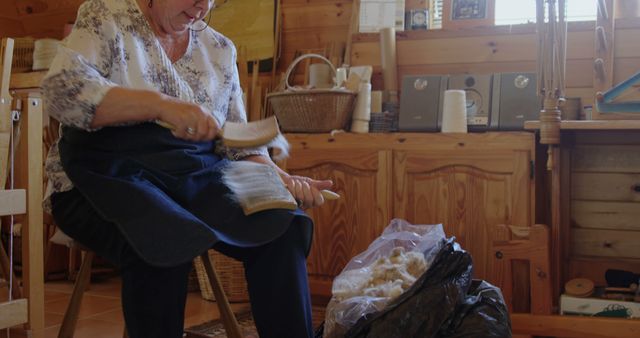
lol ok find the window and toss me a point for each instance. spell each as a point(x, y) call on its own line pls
point(513, 12)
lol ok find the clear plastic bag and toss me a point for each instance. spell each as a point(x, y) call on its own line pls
point(353, 298)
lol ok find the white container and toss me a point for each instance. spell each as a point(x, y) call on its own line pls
point(454, 115)
point(320, 75)
point(596, 306)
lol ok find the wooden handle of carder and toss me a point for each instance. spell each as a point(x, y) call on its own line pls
point(329, 195)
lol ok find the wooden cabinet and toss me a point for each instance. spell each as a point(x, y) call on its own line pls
point(467, 182)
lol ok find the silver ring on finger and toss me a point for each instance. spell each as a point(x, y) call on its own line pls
point(191, 131)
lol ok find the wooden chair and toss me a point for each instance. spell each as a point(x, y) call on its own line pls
point(70, 320)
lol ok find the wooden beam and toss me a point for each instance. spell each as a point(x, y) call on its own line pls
point(32, 233)
point(574, 326)
point(13, 313)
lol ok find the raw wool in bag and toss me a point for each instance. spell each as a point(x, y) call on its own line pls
point(399, 256)
point(387, 277)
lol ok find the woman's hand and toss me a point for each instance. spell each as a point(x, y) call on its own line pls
point(190, 122)
point(306, 190)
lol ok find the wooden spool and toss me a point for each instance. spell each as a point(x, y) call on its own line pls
point(579, 287)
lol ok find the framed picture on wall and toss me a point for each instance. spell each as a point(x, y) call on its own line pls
point(468, 13)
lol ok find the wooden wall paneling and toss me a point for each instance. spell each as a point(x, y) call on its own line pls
point(605, 243)
point(605, 215)
point(316, 17)
point(610, 187)
point(626, 45)
point(584, 93)
point(625, 67)
point(27, 7)
point(8, 9)
point(470, 49)
point(10, 28)
point(303, 39)
point(49, 24)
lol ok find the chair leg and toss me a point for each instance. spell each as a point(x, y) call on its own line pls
point(73, 310)
point(229, 321)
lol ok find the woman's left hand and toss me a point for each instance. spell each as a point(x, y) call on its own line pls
point(306, 190)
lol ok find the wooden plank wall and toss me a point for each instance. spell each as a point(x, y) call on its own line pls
point(502, 49)
point(37, 18)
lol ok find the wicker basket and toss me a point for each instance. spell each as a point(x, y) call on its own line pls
point(312, 110)
point(231, 274)
point(22, 55)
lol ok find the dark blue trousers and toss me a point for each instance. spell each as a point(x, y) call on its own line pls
point(153, 298)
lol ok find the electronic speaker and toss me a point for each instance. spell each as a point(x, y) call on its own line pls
point(515, 100)
point(421, 102)
point(478, 95)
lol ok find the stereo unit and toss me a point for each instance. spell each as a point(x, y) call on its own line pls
point(515, 100)
point(421, 102)
point(478, 95)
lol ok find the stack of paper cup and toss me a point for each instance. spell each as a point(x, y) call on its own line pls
point(454, 115)
point(362, 111)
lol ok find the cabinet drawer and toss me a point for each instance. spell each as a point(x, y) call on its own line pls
point(606, 158)
point(605, 243)
point(606, 187)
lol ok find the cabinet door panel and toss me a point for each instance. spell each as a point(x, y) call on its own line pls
point(467, 193)
point(345, 227)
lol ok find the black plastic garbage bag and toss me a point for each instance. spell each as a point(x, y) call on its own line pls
point(443, 302)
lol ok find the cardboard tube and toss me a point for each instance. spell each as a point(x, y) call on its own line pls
point(362, 109)
point(376, 101)
point(389, 63)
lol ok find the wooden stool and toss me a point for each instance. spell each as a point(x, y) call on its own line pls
point(531, 244)
point(82, 280)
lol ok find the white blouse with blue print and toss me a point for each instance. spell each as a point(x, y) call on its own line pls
point(111, 45)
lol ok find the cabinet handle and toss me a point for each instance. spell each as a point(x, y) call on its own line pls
point(636, 187)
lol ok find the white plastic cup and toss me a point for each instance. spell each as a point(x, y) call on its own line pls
point(341, 76)
point(454, 115)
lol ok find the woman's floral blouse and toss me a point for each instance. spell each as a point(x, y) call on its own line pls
point(111, 45)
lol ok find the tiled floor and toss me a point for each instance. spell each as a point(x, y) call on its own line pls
point(100, 313)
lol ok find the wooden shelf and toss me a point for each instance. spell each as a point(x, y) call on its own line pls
point(574, 326)
point(26, 80)
point(590, 125)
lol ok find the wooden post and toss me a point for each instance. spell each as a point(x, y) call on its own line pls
point(32, 230)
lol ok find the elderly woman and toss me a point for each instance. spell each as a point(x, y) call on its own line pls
point(150, 199)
